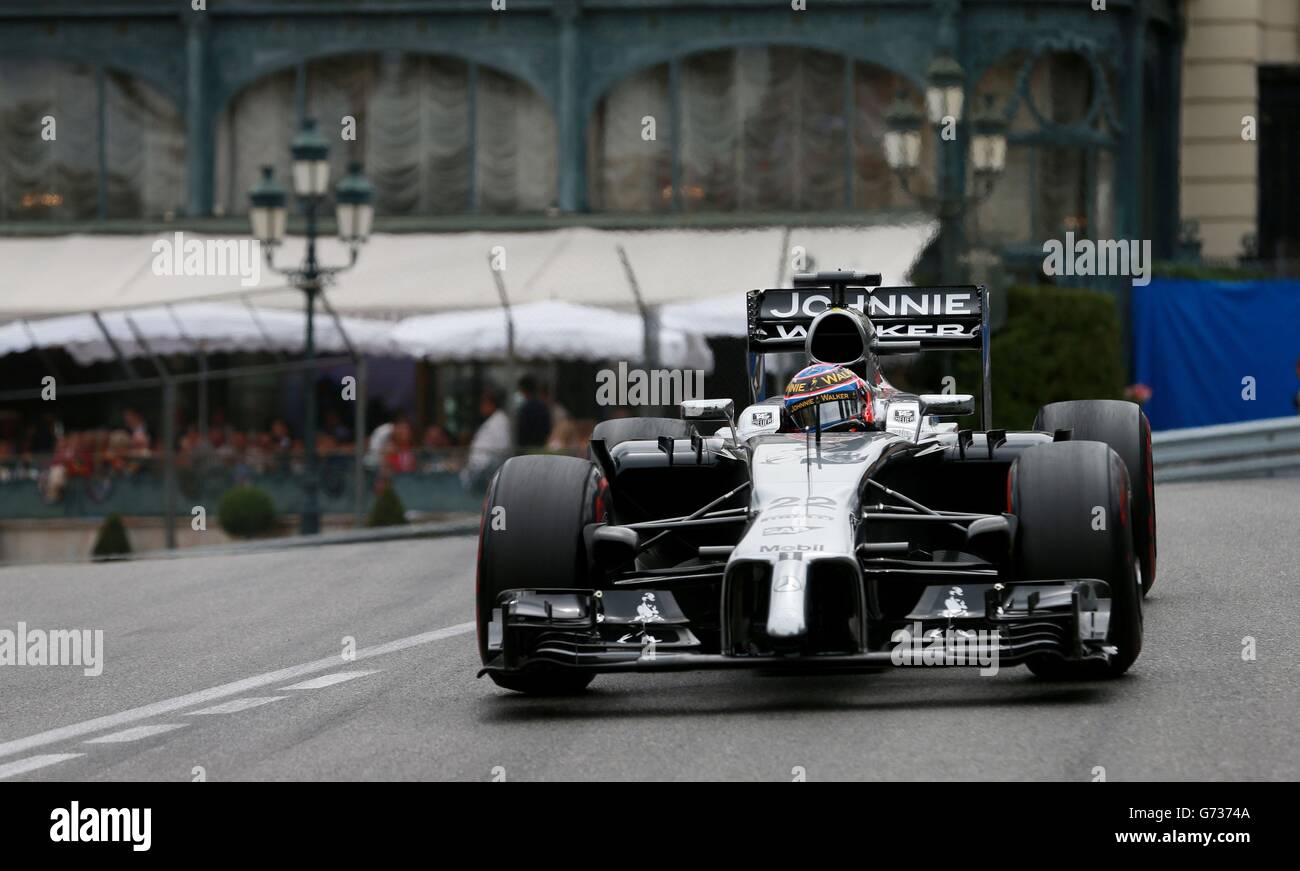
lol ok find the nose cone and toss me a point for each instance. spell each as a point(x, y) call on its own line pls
point(787, 613)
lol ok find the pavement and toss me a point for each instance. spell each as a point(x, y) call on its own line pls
point(357, 662)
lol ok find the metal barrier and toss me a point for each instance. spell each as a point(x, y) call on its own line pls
point(1253, 449)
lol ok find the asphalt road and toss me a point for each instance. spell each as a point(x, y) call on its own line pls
point(242, 657)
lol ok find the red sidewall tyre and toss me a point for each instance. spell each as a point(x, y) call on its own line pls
point(1125, 428)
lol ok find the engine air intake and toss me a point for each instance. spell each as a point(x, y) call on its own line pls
point(839, 335)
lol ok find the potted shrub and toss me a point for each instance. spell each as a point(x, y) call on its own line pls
point(246, 511)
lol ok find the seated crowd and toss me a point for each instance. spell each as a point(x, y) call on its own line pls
point(46, 452)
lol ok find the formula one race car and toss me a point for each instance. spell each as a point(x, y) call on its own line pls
point(842, 525)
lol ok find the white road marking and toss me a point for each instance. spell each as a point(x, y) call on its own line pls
point(328, 680)
point(22, 766)
point(234, 706)
point(136, 733)
point(235, 688)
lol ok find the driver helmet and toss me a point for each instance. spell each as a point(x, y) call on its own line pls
point(825, 397)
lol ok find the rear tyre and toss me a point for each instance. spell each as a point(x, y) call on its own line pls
point(1124, 427)
point(530, 537)
point(1055, 492)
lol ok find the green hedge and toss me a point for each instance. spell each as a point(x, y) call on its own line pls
point(246, 511)
point(1057, 343)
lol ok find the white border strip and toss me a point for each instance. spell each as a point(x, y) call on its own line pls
point(113, 721)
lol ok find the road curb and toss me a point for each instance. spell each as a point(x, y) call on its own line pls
point(407, 532)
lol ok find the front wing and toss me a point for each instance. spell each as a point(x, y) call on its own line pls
point(645, 630)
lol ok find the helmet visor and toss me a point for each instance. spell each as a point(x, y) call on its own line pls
point(827, 410)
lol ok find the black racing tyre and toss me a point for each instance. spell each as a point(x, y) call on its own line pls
point(1124, 427)
point(540, 505)
point(630, 429)
point(1055, 491)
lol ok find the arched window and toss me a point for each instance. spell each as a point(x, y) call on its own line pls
point(766, 128)
point(1060, 165)
point(51, 136)
point(436, 135)
point(629, 146)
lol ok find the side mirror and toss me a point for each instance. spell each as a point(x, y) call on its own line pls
point(613, 546)
point(947, 404)
point(708, 409)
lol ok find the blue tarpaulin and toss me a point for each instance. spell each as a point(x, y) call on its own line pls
point(1196, 342)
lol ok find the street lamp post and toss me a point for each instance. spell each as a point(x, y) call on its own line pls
point(944, 103)
point(354, 211)
point(945, 91)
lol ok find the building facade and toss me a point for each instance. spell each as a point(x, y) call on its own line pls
point(1241, 120)
point(658, 111)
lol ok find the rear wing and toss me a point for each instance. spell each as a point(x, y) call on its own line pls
point(906, 319)
point(938, 318)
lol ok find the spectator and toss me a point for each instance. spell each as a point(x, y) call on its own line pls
point(559, 414)
point(72, 459)
point(436, 445)
point(237, 455)
point(44, 436)
point(337, 430)
point(281, 439)
point(562, 437)
point(219, 431)
point(534, 424)
point(326, 444)
point(399, 455)
point(139, 432)
point(490, 445)
point(191, 444)
point(379, 442)
point(436, 438)
point(260, 453)
point(117, 454)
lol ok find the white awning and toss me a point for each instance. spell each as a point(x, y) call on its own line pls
point(543, 331)
point(892, 251)
point(546, 330)
point(189, 327)
point(405, 274)
point(717, 316)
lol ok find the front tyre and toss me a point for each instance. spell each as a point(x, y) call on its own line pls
point(1123, 426)
point(1072, 501)
point(531, 537)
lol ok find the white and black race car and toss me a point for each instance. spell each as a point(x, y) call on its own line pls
point(758, 540)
